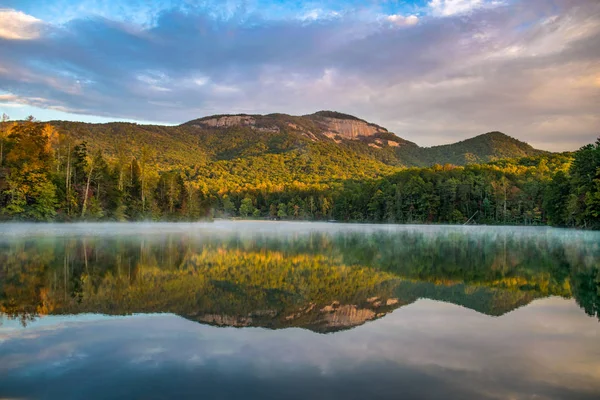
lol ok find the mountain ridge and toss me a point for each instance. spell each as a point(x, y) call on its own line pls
point(229, 136)
point(523, 148)
point(324, 166)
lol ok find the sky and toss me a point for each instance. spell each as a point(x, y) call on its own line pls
point(547, 350)
point(431, 71)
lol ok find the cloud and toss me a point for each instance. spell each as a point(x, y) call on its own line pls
point(401, 20)
point(15, 25)
point(453, 7)
point(318, 13)
point(7, 98)
point(528, 68)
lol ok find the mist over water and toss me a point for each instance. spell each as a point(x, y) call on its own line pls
point(283, 309)
point(276, 228)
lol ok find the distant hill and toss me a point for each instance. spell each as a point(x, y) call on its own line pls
point(480, 149)
point(336, 136)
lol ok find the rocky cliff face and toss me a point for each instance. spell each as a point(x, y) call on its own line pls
point(347, 316)
point(327, 318)
point(225, 320)
point(227, 121)
point(321, 125)
point(349, 129)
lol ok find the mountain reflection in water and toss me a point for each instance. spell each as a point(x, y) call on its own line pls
point(319, 277)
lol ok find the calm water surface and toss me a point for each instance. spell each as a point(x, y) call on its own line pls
point(266, 310)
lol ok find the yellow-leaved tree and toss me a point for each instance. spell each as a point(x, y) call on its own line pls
point(31, 194)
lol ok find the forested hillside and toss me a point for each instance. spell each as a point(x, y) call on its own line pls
point(324, 166)
point(229, 137)
point(483, 148)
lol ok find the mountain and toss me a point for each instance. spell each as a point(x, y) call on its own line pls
point(480, 149)
point(228, 137)
point(324, 166)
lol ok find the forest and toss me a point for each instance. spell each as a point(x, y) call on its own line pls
point(46, 174)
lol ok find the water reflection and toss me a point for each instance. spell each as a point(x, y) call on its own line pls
point(316, 276)
point(155, 311)
point(429, 350)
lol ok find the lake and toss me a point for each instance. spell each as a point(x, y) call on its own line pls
point(272, 310)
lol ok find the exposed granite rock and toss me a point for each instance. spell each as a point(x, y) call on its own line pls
point(227, 121)
point(391, 302)
point(331, 125)
point(225, 320)
point(347, 316)
point(331, 307)
point(350, 129)
point(263, 313)
point(301, 312)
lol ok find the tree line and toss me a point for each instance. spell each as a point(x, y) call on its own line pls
point(48, 176)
